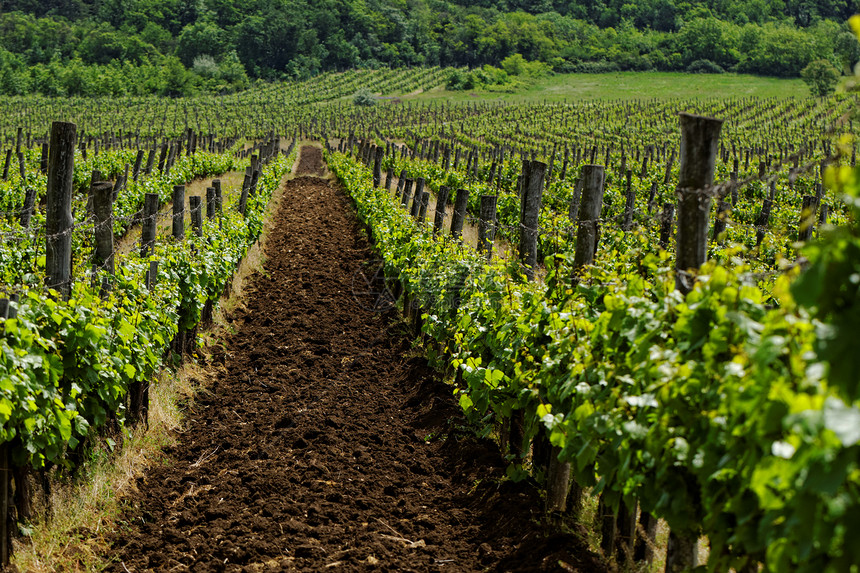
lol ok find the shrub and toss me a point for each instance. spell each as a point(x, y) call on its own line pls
point(704, 67)
point(364, 97)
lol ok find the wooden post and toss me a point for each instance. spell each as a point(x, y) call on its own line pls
point(119, 185)
point(626, 532)
point(681, 552)
point(150, 161)
point(401, 182)
point(418, 197)
point(807, 218)
point(723, 210)
point(197, 213)
point(422, 210)
point(441, 202)
point(461, 205)
point(246, 187)
point(651, 195)
point(149, 224)
point(6, 165)
point(530, 204)
point(630, 201)
point(162, 157)
point(210, 202)
point(103, 211)
point(135, 173)
point(608, 527)
point(668, 174)
point(27, 209)
point(666, 219)
point(151, 275)
point(588, 228)
point(389, 175)
point(377, 165)
point(407, 193)
point(179, 211)
point(58, 216)
point(762, 221)
point(487, 225)
point(558, 482)
point(644, 549)
point(700, 137)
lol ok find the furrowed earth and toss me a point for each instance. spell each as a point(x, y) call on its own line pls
point(323, 441)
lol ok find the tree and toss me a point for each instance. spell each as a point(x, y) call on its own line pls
point(821, 77)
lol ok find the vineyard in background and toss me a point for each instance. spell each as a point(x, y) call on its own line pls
point(723, 400)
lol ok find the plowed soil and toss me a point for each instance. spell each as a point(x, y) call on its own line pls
point(323, 443)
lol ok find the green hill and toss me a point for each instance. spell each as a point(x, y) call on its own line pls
point(170, 47)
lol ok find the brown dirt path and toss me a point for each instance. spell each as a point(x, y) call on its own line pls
point(319, 445)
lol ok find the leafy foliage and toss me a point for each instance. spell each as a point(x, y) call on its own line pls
point(66, 366)
point(717, 411)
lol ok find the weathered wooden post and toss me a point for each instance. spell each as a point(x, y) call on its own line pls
point(162, 157)
point(667, 217)
point(6, 163)
point(407, 192)
point(588, 228)
point(150, 161)
point(27, 209)
point(461, 204)
point(58, 215)
point(389, 175)
point(179, 211)
point(210, 202)
point(487, 225)
point(135, 173)
point(377, 165)
point(425, 204)
point(151, 275)
point(103, 211)
point(762, 221)
point(194, 203)
point(419, 196)
point(630, 202)
point(246, 188)
point(644, 548)
point(700, 137)
point(530, 204)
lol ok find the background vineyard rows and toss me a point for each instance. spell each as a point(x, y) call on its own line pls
point(720, 411)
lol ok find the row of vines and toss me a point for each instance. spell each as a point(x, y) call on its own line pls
point(77, 356)
point(731, 410)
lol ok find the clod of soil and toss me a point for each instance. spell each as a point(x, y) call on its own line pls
point(318, 445)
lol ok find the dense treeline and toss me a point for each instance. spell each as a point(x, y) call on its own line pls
point(102, 47)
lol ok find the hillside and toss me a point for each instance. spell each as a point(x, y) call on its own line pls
point(112, 47)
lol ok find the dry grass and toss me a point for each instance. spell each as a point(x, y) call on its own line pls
point(231, 188)
point(85, 513)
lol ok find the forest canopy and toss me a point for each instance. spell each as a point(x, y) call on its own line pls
point(173, 47)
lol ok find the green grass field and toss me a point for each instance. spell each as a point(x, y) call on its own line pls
point(632, 85)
